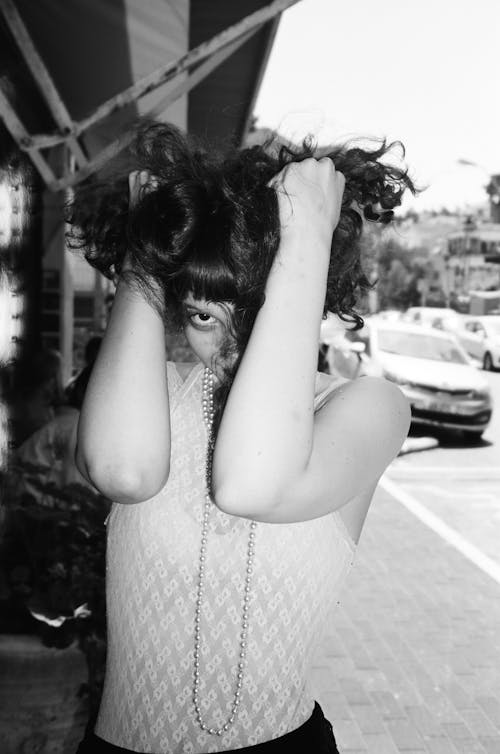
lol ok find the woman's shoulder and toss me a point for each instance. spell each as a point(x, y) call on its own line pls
point(325, 385)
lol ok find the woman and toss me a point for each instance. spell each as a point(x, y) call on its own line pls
point(242, 482)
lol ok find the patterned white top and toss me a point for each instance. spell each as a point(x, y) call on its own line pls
point(152, 562)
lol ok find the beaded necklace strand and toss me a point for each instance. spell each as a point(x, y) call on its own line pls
point(208, 416)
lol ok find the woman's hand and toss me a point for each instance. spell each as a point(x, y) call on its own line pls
point(140, 182)
point(310, 198)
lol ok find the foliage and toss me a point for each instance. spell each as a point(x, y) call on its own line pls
point(53, 553)
point(398, 273)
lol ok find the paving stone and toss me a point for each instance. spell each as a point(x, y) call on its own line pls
point(348, 735)
point(380, 743)
point(424, 721)
point(354, 691)
point(368, 719)
point(456, 731)
point(387, 705)
point(468, 746)
point(440, 745)
point(491, 707)
point(413, 651)
point(459, 697)
point(478, 723)
point(491, 745)
point(405, 735)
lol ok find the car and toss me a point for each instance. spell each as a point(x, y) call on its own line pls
point(445, 390)
point(341, 356)
point(481, 339)
point(391, 315)
point(442, 318)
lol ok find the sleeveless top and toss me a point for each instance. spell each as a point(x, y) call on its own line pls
point(152, 573)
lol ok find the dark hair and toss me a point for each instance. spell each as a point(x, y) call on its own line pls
point(75, 391)
point(211, 224)
point(92, 347)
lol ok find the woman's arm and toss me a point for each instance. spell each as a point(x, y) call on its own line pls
point(123, 445)
point(274, 459)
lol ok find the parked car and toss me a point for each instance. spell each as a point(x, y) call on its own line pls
point(391, 315)
point(341, 355)
point(434, 372)
point(481, 339)
point(429, 316)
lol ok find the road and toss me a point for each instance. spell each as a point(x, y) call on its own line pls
point(458, 483)
point(410, 662)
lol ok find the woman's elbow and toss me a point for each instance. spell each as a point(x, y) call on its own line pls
point(245, 500)
point(122, 482)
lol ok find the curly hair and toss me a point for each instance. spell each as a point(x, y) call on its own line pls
point(210, 225)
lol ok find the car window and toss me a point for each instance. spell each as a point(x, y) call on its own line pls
point(421, 346)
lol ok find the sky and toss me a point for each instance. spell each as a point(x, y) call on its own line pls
point(425, 72)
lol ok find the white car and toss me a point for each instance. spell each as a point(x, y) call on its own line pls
point(428, 315)
point(481, 339)
point(341, 355)
point(435, 373)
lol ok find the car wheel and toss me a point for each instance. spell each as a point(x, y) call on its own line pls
point(488, 362)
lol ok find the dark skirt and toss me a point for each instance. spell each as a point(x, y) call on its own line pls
point(315, 735)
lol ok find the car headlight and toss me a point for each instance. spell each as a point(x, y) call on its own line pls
point(397, 378)
point(483, 394)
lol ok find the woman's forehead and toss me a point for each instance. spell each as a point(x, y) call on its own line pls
point(216, 308)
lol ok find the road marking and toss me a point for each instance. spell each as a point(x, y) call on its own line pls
point(486, 497)
point(478, 473)
point(451, 536)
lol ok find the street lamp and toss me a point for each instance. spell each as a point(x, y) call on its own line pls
point(469, 227)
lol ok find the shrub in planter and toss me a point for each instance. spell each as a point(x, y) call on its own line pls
point(53, 565)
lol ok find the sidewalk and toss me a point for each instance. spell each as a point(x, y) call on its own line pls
point(411, 662)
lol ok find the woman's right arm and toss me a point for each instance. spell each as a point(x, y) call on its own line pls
point(123, 445)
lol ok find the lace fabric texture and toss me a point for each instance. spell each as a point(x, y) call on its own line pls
point(152, 562)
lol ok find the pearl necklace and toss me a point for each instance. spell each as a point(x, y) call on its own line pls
point(208, 416)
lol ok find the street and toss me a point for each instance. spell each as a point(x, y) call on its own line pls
point(411, 660)
point(459, 483)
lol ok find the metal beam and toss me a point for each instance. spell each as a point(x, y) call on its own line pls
point(173, 69)
point(42, 77)
point(203, 59)
point(20, 135)
point(123, 141)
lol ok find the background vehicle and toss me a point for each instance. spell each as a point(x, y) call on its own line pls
point(433, 371)
point(481, 339)
point(343, 355)
point(430, 316)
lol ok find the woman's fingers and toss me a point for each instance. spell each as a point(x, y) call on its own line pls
point(310, 194)
point(140, 181)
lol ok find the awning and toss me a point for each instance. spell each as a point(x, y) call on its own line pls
point(76, 74)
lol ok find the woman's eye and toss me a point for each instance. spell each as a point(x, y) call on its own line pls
point(202, 320)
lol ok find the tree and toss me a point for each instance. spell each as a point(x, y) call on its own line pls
point(398, 271)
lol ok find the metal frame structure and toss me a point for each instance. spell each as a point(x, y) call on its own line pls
point(198, 63)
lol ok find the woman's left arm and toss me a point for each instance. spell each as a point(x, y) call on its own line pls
point(274, 459)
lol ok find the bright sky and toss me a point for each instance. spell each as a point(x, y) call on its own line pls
point(422, 71)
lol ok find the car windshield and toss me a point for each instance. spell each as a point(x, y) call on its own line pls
point(420, 346)
point(493, 326)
